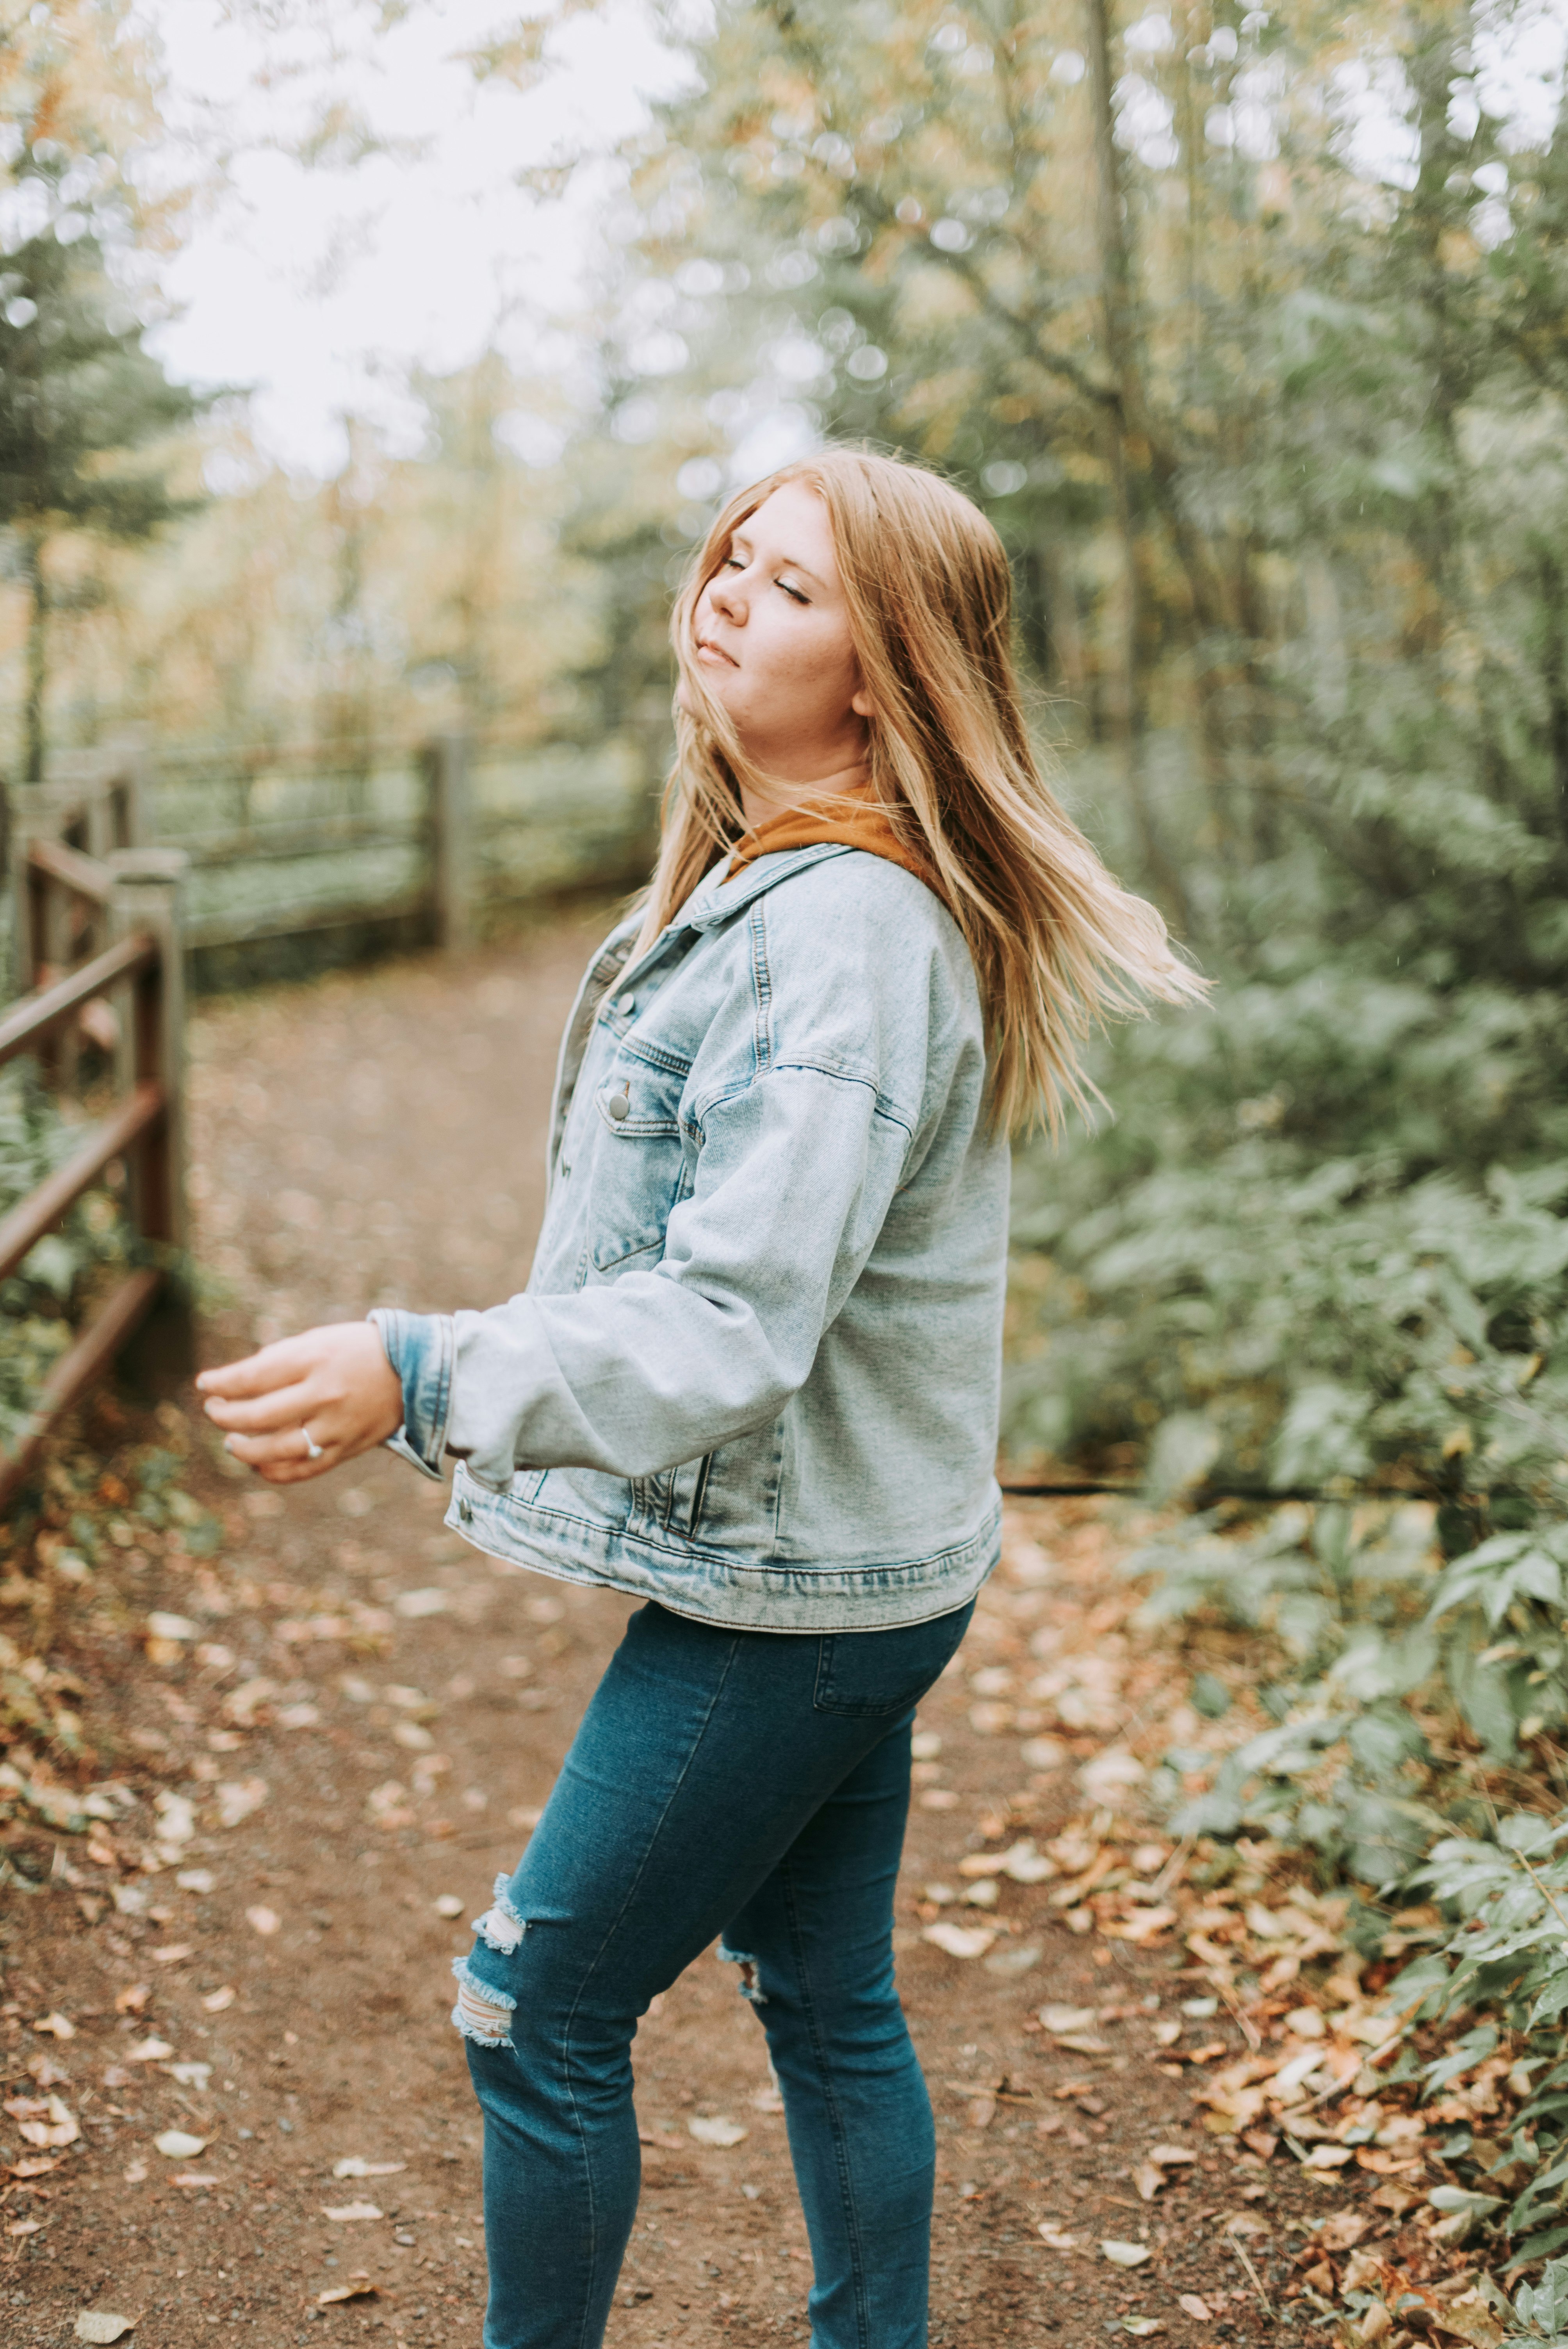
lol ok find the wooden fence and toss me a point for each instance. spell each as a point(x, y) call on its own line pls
point(122, 912)
point(408, 844)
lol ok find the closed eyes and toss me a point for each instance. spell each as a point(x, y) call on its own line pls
point(735, 563)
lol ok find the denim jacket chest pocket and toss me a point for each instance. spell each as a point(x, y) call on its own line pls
point(643, 1157)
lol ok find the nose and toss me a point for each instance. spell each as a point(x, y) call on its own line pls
point(724, 597)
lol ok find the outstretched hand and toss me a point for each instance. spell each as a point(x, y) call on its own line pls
point(306, 1404)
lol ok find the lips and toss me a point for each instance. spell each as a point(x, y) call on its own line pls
point(706, 645)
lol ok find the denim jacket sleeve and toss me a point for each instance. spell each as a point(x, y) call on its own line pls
point(794, 1180)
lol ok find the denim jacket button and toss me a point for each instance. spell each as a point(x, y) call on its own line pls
point(627, 1004)
point(619, 1106)
point(466, 1511)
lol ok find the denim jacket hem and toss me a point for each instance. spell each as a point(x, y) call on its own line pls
point(737, 1594)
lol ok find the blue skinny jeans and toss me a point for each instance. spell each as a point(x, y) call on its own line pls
point(753, 1785)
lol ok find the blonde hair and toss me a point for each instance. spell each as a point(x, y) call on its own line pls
point(1058, 946)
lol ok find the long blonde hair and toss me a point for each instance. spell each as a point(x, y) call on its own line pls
point(1059, 946)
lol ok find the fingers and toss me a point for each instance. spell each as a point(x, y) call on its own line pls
point(285, 1407)
point(286, 1448)
point(282, 1364)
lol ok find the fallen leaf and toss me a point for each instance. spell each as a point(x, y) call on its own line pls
point(359, 2291)
point(262, 1920)
point(448, 1905)
point(1057, 2019)
point(191, 2075)
point(24, 2226)
point(342, 2210)
point(133, 1998)
point(47, 2072)
point(353, 2165)
point(98, 2324)
point(177, 2145)
point(1125, 2255)
point(1194, 2306)
point(981, 2111)
point(172, 1626)
point(1140, 2327)
point(193, 2178)
point(1054, 2238)
point(1025, 1865)
point(57, 2026)
point(413, 1605)
point(1375, 2322)
point(1148, 2180)
point(237, 1800)
point(1171, 2157)
point(174, 1953)
point(43, 2121)
point(216, 2000)
point(1018, 1957)
point(148, 2051)
point(1042, 1753)
point(134, 2174)
point(1082, 2042)
point(196, 1879)
point(33, 2165)
point(1327, 2157)
point(717, 2131)
point(1395, 2198)
point(960, 1940)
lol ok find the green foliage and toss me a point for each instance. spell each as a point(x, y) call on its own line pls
point(1540, 2311)
point(41, 1301)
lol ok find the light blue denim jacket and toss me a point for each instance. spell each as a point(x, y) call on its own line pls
point(755, 1372)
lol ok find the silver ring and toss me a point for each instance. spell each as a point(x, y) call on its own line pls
point(312, 1450)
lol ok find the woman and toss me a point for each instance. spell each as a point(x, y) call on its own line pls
point(753, 1379)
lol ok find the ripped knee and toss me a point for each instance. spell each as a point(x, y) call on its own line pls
point(748, 1985)
point(481, 2014)
point(500, 1928)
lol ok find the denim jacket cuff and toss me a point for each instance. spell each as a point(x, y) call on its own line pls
point(420, 1348)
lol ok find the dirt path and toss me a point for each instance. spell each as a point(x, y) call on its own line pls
point(377, 1713)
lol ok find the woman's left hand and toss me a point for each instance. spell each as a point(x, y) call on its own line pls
point(303, 1405)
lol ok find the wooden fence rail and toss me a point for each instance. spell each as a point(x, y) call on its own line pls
point(136, 986)
point(417, 841)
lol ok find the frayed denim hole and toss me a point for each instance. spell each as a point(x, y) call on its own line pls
point(500, 1928)
point(748, 1985)
point(481, 2014)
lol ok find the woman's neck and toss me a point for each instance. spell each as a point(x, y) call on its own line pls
point(785, 792)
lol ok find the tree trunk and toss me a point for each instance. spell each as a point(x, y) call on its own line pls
point(37, 654)
point(1117, 331)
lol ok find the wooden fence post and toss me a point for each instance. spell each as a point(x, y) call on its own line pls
point(448, 782)
point(148, 894)
point(34, 815)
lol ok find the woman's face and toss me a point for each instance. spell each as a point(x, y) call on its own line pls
point(773, 642)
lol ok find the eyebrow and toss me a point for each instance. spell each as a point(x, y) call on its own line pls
point(785, 562)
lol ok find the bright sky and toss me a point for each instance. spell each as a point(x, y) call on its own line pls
point(316, 284)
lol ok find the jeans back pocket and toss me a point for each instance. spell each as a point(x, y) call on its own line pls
point(886, 1671)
